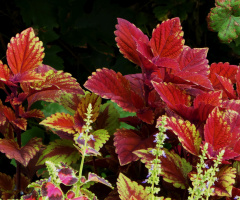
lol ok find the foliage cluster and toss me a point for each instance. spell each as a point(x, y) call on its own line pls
point(183, 133)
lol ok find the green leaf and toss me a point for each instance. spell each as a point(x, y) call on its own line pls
point(225, 19)
point(60, 151)
point(31, 133)
point(128, 188)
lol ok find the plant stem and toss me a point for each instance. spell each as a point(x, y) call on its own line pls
point(81, 168)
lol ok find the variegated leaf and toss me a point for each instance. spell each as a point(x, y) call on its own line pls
point(25, 52)
point(60, 121)
point(128, 188)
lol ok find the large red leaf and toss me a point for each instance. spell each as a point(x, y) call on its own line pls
point(24, 154)
point(25, 52)
point(167, 39)
point(127, 35)
point(222, 69)
point(217, 131)
point(175, 169)
point(213, 98)
point(172, 95)
point(187, 134)
point(111, 85)
point(227, 86)
point(128, 189)
point(194, 60)
point(60, 121)
point(126, 142)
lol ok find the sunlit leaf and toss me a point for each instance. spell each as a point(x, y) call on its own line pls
point(167, 39)
point(127, 35)
point(60, 121)
point(25, 52)
point(187, 134)
point(96, 178)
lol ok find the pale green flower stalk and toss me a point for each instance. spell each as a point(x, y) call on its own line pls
point(200, 187)
point(155, 170)
point(86, 137)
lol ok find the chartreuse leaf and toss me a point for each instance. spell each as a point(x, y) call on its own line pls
point(100, 136)
point(225, 19)
point(224, 184)
point(175, 169)
point(145, 156)
point(25, 52)
point(108, 118)
point(59, 150)
point(128, 188)
point(187, 134)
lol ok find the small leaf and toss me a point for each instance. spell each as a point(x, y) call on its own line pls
point(60, 121)
point(6, 183)
point(167, 39)
point(100, 136)
point(128, 188)
point(25, 52)
point(96, 178)
point(59, 150)
point(67, 176)
point(51, 191)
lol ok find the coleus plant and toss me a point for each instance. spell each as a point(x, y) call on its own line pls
point(200, 103)
point(26, 80)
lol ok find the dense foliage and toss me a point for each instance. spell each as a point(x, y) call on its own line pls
point(170, 130)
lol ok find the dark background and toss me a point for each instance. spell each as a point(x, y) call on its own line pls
point(78, 35)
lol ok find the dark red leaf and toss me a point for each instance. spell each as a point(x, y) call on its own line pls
point(67, 176)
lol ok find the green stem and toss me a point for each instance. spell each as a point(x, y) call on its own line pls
point(81, 169)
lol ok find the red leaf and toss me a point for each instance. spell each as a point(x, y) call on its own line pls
point(126, 142)
point(32, 196)
point(172, 95)
point(227, 87)
point(222, 69)
point(67, 176)
point(25, 52)
point(24, 154)
point(60, 121)
point(187, 134)
point(167, 39)
point(194, 60)
point(51, 191)
point(127, 35)
point(213, 98)
point(6, 74)
point(111, 85)
point(216, 130)
point(232, 104)
point(29, 76)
